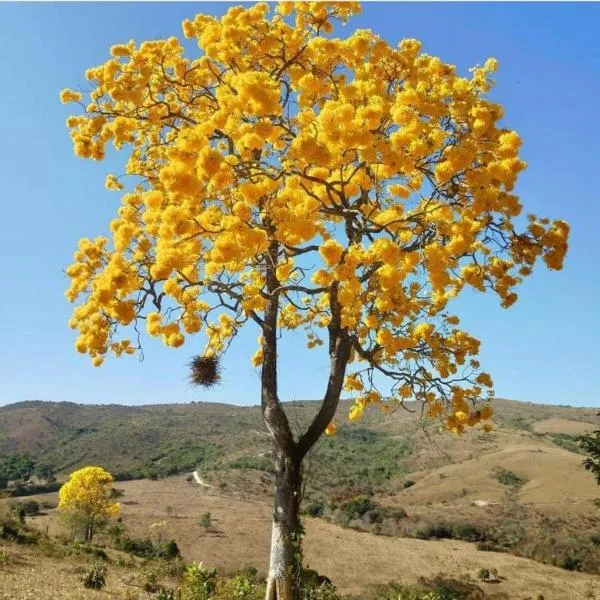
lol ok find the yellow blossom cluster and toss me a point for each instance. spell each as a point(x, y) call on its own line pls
point(356, 184)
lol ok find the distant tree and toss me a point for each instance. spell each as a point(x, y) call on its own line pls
point(86, 499)
point(590, 444)
point(16, 466)
point(45, 472)
point(294, 180)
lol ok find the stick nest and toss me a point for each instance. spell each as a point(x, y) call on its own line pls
point(205, 371)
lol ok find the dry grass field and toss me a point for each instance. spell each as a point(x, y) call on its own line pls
point(356, 561)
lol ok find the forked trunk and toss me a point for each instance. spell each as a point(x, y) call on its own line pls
point(285, 564)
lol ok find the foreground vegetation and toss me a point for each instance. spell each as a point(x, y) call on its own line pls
point(154, 568)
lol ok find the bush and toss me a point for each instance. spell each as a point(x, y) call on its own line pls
point(325, 591)
point(14, 530)
point(147, 548)
point(467, 532)
point(258, 463)
point(509, 478)
point(314, 586)
point(438, 588)
point(205, 521)
point(238, 587)
point(3, 557)
point(26, 509)
point(316, 508)
point(456, 531)
point(143, 548)
point(199, 583)
point(571, 563)
point(169, 550)
point(32, 490)
point(95, 577)
point(426, 532)
point(359, 505)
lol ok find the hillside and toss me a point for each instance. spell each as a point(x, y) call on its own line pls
point(520, 490)
point(164, 439)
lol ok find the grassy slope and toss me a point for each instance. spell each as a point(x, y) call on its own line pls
point(168, 438)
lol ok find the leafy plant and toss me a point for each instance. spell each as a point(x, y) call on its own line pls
point(95, 577)
point(205, 521)
point(506, 477)
point(199, 583)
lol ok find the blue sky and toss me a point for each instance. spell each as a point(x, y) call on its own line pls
point(543, 349)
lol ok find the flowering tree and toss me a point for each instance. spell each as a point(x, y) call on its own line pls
point(86, 499)
point(293, 180)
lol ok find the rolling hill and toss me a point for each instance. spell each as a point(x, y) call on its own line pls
point(520, 490)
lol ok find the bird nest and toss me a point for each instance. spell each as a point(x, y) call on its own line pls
point(205, 371)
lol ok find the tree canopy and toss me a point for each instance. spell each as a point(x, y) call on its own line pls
point(87, 498)
point(287, 177)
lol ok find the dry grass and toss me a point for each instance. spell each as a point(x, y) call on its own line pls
point(562, 425)
point(355, 561)
point(29, 575)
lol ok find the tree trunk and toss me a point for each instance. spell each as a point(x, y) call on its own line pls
point(286, 559)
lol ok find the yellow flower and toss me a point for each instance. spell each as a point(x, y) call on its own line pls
point(331, 251)
point(325, 209)
point(68, 95)
point(331, 429)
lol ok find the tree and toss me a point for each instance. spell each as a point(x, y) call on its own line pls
point(86, 499)
point(293, 180)
point(590, 444)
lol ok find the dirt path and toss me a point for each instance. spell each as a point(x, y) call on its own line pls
point(199, 481)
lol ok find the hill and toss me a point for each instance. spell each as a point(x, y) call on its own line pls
point(519, 490)
point(160, 440)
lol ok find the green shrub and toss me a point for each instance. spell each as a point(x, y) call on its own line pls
point(199, 583)
point(32, 490)
point(26, 509)
point(506, 477)
point(238, 587)
point(13, 530)
point(316, 508)
point(94, 577)
point(440, 531)
point(359, 505)
point(147, 548)
point(143, 548)
point(205, 521)
point(169, 550)
point(466, 532)
point(258, 463)
point(325, 591)
point(165, 594)
point(571, 563)
point(438, 588)
point(3, 557)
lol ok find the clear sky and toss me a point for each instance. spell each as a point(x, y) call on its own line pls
point(543, 349)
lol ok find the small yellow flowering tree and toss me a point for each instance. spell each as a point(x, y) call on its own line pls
point(294, 180)
point(87, 499)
